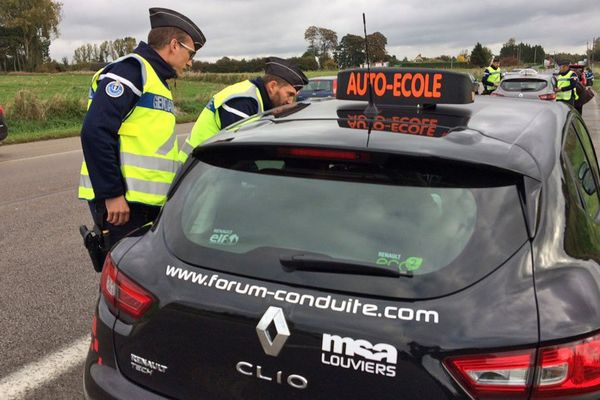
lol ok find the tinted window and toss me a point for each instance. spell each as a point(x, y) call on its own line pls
point(241, 216)
point(523, 85)
point(319, 85)
point(588, 146)
point(580, 169)
point(362, 222)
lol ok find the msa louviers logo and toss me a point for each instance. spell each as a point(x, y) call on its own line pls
point(359, 355)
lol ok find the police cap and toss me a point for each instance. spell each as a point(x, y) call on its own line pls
point(562, 61)
point(163, 17)
point(286, 71)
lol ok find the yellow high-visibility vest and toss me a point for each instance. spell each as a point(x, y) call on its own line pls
point(147, 141)
point(564, 81)
point(209, 122)
point(493, 77)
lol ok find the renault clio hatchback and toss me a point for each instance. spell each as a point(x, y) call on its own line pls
point(421, 245)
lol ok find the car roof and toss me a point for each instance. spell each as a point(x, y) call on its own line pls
point(329, 77)
point(523, 136)
point(538, 76)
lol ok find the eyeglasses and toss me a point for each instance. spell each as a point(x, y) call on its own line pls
point(191, 52)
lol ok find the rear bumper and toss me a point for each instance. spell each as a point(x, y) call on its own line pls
point(102, 382)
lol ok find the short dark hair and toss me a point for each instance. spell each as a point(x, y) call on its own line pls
point(160, 37)
point(270, 78)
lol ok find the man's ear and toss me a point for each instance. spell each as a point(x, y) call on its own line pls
point(173, 44)
point(272, 87)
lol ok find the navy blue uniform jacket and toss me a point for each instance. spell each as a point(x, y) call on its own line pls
point(99, 138)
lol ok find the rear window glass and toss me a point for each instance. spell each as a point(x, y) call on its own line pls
point(523, 85)
point(319, 85)
point(397, 213)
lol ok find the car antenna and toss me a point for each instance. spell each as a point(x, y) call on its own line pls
point(371, 111)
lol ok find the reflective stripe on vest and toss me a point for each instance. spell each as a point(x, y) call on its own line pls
point(147, 140)
point(209, 122)
point(564, 81)
point(493, 77)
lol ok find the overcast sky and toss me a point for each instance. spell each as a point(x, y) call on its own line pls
point(237, 29)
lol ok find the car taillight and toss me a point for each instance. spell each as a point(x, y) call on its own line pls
point(121, 293)
point(549, 96)
point(571, 369)
point(329, 154)
point(334, 87)
point(494, 375)
point(565, 371)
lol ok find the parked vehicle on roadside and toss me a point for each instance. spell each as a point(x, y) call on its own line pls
point(318, 87)
point(527, 86)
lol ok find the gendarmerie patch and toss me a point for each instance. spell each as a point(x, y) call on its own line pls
point(115, 89)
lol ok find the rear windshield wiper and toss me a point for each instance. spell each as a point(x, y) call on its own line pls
point(306, 262)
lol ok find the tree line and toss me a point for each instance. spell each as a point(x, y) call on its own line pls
point(27, 28)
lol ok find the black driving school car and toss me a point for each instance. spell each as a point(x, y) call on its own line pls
point(420, 246)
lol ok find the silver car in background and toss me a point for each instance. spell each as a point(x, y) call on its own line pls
point(527, 86)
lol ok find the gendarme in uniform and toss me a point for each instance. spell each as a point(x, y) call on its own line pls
point(240, 101)
point(491, 77)
point(128, 138)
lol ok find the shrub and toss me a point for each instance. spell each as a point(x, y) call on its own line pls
point(26, 106)
point(227, 79)
point(59, 106)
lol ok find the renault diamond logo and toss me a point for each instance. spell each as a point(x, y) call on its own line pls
point(272, 331)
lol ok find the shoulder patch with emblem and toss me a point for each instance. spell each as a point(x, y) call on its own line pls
point(114, 89)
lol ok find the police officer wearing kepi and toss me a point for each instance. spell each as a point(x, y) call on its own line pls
point(565, 83)
point(491, 76)
point(129, 144)
point(279, 86)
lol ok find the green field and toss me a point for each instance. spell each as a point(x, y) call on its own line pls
point(47, 106)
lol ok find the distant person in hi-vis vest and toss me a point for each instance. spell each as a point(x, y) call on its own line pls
point(491, 76)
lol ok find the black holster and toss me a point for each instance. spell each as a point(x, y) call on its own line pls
point(97, 243)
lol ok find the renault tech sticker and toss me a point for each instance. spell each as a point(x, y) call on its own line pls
point(145, 366)
point(359, 355)
point(114, 89)
point(224, 237)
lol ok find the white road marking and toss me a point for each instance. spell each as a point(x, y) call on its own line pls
point(41, 156)
point(58, 154)
point(36, 374)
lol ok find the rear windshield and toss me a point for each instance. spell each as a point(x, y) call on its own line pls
point(523, 85)
point(242, 216)
point(319, 85)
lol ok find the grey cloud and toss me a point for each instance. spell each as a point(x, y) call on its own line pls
point(236, 28)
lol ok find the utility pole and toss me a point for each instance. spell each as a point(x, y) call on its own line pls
point(587, 53)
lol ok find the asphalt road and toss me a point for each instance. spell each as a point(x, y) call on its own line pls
point(47, 285)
